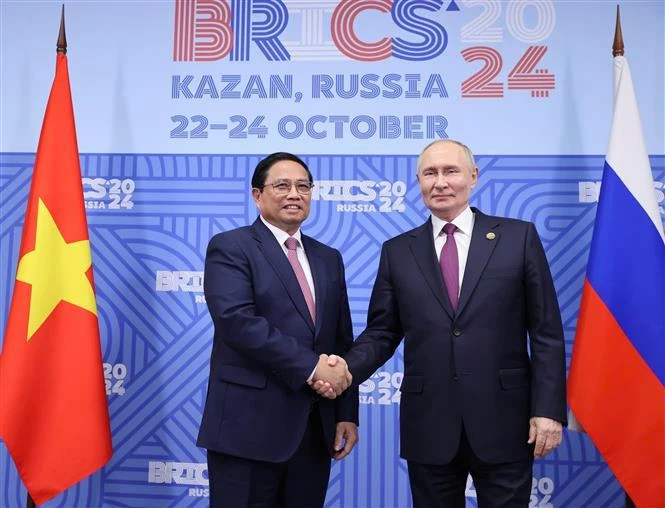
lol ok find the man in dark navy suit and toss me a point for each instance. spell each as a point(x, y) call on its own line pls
point(465, 290)
point(279, 306)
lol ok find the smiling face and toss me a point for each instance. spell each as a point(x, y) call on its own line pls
point(287, 211)
point(446, 176)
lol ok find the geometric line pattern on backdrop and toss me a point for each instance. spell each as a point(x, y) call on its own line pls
point(151, 214)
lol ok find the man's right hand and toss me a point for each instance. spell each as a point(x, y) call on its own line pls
point(331, 376)
point(324, 387)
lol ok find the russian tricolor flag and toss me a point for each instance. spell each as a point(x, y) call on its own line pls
point(616, 386)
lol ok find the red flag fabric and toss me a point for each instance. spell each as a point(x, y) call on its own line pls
point(616, 385)
point(53, 410)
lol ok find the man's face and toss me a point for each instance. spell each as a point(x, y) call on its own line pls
point(446, 178)
point(285, 210)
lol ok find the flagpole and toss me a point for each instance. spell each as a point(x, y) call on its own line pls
point(617, 50)
point(617, 47)
point(61, 49)
point(73, 435)
point(61, 46)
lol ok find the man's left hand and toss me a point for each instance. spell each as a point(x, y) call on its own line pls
point(546, 433)
point(346, 434)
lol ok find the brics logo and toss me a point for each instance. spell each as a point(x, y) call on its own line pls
point(210, 30)
point(192, 474)
point(187, 281)
point(589, 192)
point(182, 473)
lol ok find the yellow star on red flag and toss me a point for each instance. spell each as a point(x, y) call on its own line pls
point(54, 418)
point(56, 270)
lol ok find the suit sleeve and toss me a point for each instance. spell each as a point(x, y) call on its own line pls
point(376, 345)
point(229, 294)
point(347, 404)
point(548, 362)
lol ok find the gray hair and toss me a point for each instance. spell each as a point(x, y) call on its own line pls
point(467, 151)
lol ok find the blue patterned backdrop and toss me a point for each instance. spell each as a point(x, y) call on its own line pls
point(148, 251)
point(171, 122)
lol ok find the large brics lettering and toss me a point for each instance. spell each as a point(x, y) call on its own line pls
point(210, 30)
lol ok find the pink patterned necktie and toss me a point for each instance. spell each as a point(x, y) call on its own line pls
point(291, 246)
point(450, 265)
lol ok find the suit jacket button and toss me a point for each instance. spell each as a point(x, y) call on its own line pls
point(456, 332)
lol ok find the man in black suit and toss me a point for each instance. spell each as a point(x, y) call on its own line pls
point(465, 290)
point(279, 306)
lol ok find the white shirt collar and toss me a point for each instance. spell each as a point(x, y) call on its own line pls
point(464, 222)
point(280, 234)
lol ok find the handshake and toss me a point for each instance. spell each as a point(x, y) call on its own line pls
point(331, 376)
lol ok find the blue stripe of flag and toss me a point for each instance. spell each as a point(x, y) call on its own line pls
point(627, 269)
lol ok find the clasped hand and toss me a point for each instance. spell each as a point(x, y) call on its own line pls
point(331, 376)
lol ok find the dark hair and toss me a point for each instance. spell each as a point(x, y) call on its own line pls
point(264, 165)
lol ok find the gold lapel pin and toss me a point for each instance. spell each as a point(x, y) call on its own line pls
point(490, 236)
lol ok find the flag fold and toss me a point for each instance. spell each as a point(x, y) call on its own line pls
point(616, 385)
point(53, 410)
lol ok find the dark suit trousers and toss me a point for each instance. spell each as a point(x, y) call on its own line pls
point(300, 482)
point(505, 485)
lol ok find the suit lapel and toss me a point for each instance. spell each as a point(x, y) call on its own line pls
point(423, 251)
point(480, 250)
point(318, 268)
point(276, 258)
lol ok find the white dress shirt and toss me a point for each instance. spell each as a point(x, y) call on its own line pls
point(464, 222)
point(281, 237)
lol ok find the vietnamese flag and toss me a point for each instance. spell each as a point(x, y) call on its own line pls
point(53, 410)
